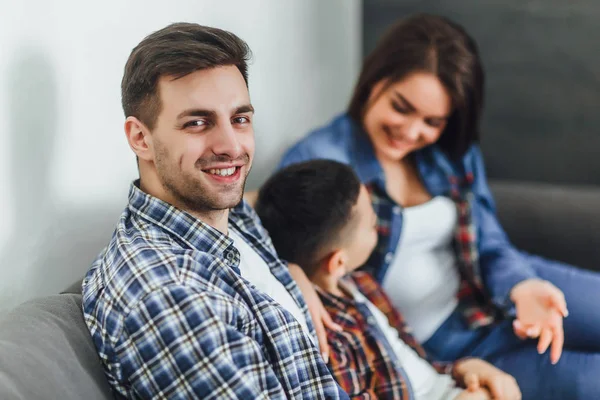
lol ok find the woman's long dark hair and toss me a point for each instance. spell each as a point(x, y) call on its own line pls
point(436, 45)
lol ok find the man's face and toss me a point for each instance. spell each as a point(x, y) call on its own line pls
point(203, 141)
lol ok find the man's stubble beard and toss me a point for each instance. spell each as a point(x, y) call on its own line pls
point(188, 189)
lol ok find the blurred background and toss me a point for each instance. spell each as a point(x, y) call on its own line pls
point(65, 166)
point(542, 64)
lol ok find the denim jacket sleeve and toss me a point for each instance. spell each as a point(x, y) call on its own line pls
point(319, 145)
point(331, 142)
point(294, 155)
point(502, 265)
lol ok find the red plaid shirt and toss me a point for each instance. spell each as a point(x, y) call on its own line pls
point(358, 360)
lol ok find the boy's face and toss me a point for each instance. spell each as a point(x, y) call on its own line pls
point(363, 234)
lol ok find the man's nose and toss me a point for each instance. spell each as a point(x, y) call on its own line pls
point(224, 141)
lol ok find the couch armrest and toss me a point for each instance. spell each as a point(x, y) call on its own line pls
point(554, 221)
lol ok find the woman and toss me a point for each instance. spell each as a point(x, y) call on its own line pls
point(411, 133)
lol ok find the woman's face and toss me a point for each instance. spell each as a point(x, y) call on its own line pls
point(407, 115)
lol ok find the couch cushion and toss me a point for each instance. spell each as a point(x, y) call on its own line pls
point(46, 352)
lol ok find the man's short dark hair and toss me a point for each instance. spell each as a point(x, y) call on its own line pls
point(305, 208)
point(176, 50)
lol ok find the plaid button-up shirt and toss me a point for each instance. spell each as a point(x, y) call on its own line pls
point(170, 317)
point(359, 359)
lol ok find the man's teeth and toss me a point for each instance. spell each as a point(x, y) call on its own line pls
point(222, 172)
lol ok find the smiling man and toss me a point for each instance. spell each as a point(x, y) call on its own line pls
point(189, 299)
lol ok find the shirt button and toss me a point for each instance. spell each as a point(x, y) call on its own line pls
point(371, 321)
point(229, 256)
point(396, 210)
point(388, 257)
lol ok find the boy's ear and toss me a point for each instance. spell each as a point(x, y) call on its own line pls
point(336, 263)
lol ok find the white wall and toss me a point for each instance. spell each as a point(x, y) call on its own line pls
point(65, 166)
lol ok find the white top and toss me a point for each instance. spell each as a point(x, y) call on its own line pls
point(256, 271)
point(426, 382)
point(423, 279)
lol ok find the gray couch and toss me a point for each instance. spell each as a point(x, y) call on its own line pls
point(47, 353)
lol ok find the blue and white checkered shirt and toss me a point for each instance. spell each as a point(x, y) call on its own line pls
point(171, 318)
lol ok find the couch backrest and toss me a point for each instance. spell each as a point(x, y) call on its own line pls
point(555, 221)
point(46, 352)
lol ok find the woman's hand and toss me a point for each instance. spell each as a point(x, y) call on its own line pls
point(541, 307)
point(477, 373)
point(474, 390)
point(320, 316)
point(479, 394)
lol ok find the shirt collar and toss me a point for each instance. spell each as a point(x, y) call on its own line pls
point(181, 224)
point(365, 163)
point(337, 302)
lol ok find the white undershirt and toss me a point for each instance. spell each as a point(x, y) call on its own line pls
point(423, 279)
point(256, 271)
point(426, 382)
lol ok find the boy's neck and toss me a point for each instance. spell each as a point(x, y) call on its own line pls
point(328, 283)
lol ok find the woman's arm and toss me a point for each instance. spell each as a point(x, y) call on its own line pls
point(539, 305)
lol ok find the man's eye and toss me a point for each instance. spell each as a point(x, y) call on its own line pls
point(195, 123)
point(241, 120)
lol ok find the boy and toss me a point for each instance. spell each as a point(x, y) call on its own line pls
point(320, 217)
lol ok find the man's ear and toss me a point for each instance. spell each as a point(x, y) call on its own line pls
point(139, 138)
point(336, 263)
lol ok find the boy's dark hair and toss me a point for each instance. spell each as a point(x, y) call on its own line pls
point(305, 208)
point(436, 45)
point(176, 50)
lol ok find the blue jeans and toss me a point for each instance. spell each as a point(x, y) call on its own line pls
point(576, 376)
